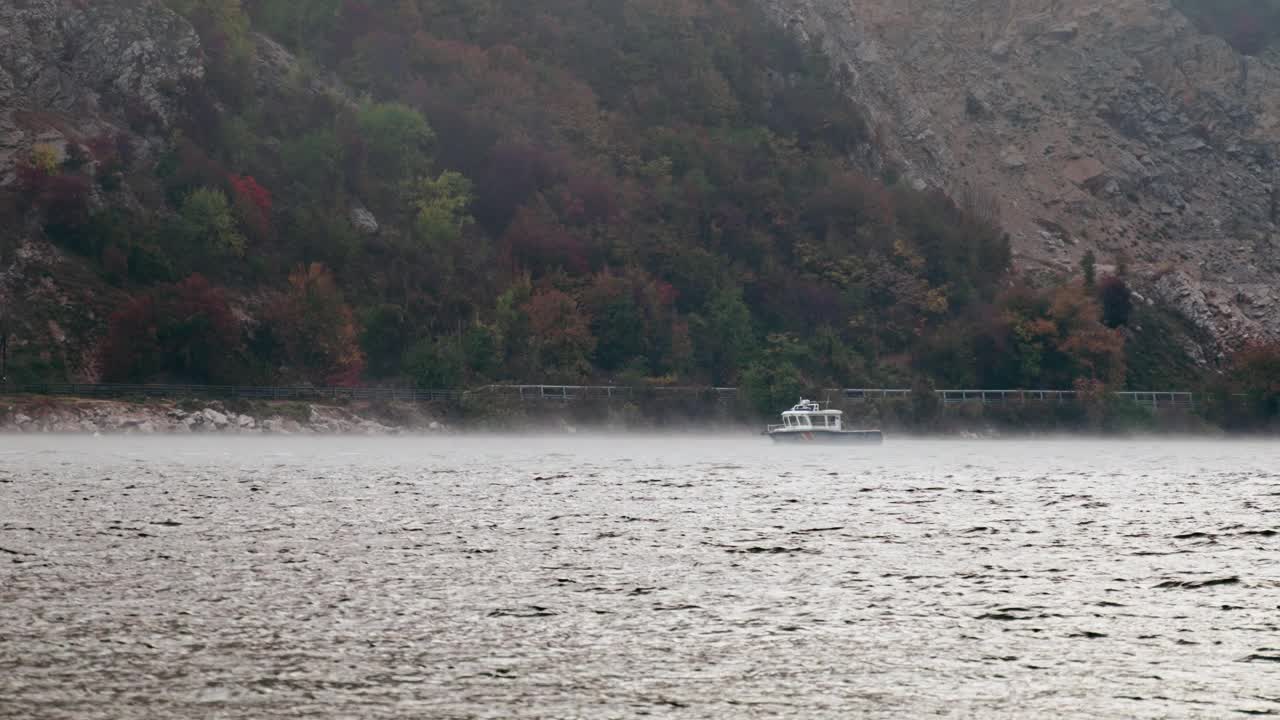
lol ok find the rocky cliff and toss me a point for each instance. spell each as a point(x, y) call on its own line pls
point(1112, 125)
point(72, 71)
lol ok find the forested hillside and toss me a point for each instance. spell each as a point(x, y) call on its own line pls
point(454, 192)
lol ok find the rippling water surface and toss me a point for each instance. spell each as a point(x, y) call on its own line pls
point(622, 577)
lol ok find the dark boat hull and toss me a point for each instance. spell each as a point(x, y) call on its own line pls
point(844, 437)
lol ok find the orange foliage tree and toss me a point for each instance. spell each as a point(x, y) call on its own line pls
point(315, 331)
point(562, 340)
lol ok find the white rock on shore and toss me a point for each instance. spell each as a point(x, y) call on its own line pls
point(92, 417)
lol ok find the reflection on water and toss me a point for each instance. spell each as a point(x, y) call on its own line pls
point(596, 578)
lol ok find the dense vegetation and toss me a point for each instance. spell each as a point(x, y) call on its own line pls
point(569, 190)
point(1251, 26)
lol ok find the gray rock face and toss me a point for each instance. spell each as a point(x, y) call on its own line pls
point(89, 63)
point(37, 416)
point(215, 418)
point(364, 221)
point(1116, 120)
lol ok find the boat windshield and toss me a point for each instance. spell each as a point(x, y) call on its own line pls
point(805, 421)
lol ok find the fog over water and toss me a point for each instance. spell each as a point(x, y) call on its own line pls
point(592, 577)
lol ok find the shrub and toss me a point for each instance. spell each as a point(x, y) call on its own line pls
point(210, 226)
point(185, 331)
point(1117, 302)
point(316, 332)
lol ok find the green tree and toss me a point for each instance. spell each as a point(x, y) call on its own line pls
point(1089, 265)
point(512, 326)
point(483, 351)
point(310, 162)
point(442, 206)
point(224, 29)
point(616, 321)
point(723, 336)
point(210, 224)
point(436, 364)
point(774, 380)
point(398, 140)
point(383, 339)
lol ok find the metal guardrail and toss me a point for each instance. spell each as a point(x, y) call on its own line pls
point(871, 394)
point(1000, 397)
point(558, 393)
point(565, 393)
point(1161, 399)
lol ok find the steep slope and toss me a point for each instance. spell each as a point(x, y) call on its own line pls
point(75, 75)
point(70, 68)
point(1112, 125)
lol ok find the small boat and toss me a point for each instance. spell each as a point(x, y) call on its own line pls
point(808, 422)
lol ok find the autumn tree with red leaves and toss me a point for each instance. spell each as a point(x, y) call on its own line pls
point(131, 350)
point(561, 334)
point(62, 198)
point(184, 332)
point(252, 203)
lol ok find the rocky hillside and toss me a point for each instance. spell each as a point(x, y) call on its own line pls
point(75, 74)
point(1111, 125)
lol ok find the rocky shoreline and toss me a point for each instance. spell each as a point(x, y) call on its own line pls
point(65, 415)
point(45, 415)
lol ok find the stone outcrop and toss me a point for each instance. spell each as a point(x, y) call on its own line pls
point(70, 69)
point(1112, 125)
point(42, 415)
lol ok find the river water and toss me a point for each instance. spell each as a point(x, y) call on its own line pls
point(629, 577)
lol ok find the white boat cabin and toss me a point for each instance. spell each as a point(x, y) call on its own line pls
point(808, 416)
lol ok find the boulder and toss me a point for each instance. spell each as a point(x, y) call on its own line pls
point(364, 221)
point(1013, 158)
point(215, 418)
